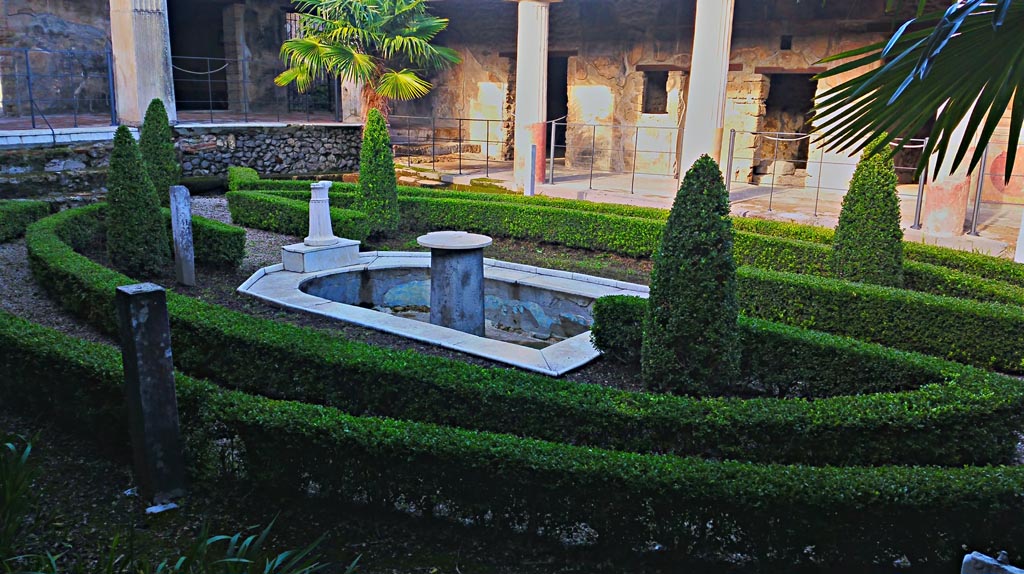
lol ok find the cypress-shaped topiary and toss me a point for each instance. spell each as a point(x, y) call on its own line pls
point(156, 142)
point(378, 187)
point(868, 245)
point(137, 240)
point(690, 341)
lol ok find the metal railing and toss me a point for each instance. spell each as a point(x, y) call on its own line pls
point(997, 207)
point(76, 86)
point(208, 89)
point(613, 155)
point(451, 144)
point(774, 168)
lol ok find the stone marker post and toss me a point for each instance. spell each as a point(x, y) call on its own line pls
point(457, 280)
point(181, 228)
point(149, 389)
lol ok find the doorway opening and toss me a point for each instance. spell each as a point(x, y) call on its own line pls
point(558, 100)
point(200, 76)
point(787, 111)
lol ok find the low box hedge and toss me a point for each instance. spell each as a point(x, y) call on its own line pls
point(240, 177)
point(216, 244)
point(971, 421)
point(16, 215)
point(690, 509)
point(986, 266)
point(291, 217)
point(427, 210)
point(780, 360)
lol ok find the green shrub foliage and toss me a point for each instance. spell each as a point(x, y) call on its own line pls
point(868, 244)
point(378, 188)
point(15, 216)
point(690, 337)
point(137, 239)
point(242, 177)
point(156, 142)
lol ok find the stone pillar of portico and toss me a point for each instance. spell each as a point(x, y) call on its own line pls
point(709, 74)
point(141, 43)
point(531, 87)
point(945, 198)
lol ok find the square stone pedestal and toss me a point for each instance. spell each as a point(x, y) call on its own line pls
point(302, 258)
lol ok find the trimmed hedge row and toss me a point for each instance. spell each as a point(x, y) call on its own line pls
point(784, 361)
point(422, 210)
point(982, 334)
point(291, 217)
point(971, 421)
point(986, 266)
point(15, 216)
point(693, 509)
point(216, 244)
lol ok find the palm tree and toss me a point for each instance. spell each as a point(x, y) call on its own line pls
point(964, 63)
point(386, 44)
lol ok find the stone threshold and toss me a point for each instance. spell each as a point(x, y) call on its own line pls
point(276, 286)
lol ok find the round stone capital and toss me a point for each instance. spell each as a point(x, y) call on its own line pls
point(454, 240)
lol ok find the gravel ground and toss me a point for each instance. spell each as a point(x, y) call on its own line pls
point(21, 295)
point(262, 248)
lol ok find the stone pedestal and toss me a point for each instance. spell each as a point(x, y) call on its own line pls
point(302, 258)
point(141, 42)
point(709, 74)
point(181, 229)
point(457, 279)
point(321, 233)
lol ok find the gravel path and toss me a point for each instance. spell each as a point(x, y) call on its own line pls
point(262, 248)
point(21, 295)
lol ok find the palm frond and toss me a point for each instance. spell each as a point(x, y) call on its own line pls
point(967, 67)
point(402, 85)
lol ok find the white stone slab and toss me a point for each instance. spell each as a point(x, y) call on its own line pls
point(302, 258)
point(281, 287)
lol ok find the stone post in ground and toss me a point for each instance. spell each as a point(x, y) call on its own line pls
point(457, 279)
point(531, 88)
point(181, 229)
point(141, 42)
point(709, 73)
point(149, 389)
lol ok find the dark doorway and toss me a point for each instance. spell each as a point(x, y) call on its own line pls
point(200, 76)
point(787, 110)
point(558, 100)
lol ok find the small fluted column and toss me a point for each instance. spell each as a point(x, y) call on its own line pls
point(320, 232)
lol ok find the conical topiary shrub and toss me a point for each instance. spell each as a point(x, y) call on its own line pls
point(378, 187)
point(690, 342)
point(137, 239)
point(156, 142)
point(868, 245)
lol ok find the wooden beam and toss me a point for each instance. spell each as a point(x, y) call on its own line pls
point(814, 70)
point(677, 68)
point(551, 54)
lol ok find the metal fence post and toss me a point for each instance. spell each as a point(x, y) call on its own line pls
point(728, 169)
point(245, 89)
point(337, 99)
point(920, 189)
point(433, 143)
point(28, 81)
point(977, 194)
point(775, 167)
point(636, 152)
point(460, 146)
point(487, 148)
point(593, 155)
point(817, 190)
point(209, 88)
point(551, 158)
point(111, 88)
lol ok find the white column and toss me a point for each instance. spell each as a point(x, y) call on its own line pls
point(141, 42)
point(320, 232)
point(709, 74)
point(531, 87)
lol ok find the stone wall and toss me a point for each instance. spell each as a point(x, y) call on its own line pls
point(73, 174)
point(76, 33)
point(269, 150)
